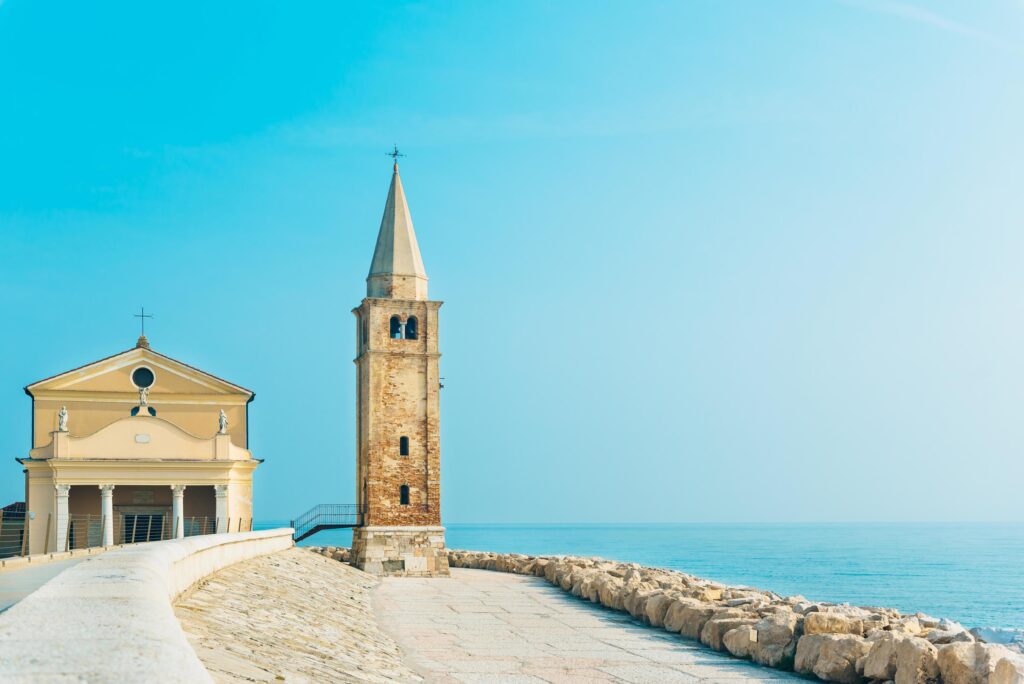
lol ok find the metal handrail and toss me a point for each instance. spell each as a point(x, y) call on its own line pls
point(13, 533)
point(84, 530)
point(334, 516)
point(328, 515)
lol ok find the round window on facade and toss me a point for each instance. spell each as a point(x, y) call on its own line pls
point(143, 377)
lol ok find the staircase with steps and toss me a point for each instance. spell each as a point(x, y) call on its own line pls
point(326, 517)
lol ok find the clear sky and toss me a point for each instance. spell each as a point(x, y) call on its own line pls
point(702, 261)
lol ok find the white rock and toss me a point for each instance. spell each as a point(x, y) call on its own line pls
point(969, 663)
point(1008, 670)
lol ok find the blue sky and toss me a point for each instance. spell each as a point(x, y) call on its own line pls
point(702, 261)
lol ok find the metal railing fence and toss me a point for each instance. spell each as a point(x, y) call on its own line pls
point(84, 530)
point(13, 534)
point(337, 515)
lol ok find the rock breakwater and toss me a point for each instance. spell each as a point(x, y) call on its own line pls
point(833, 642)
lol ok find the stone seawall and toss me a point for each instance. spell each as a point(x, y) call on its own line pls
point(833, 642)
point(109, 618)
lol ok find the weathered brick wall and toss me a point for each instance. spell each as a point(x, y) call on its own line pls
point(398, 395)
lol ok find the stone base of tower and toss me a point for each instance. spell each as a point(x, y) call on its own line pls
point(400, 551)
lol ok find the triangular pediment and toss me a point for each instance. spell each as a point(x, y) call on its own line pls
point(114, 375)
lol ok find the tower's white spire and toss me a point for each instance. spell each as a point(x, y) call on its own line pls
point(397, 269)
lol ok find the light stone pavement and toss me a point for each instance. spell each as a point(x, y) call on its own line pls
point(18, 583)
point(482, 626)
point(291, 616)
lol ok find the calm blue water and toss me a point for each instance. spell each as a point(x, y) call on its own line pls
point(973, 573)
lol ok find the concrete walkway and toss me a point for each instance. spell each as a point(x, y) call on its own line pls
point(482, 626)
point(18, 583)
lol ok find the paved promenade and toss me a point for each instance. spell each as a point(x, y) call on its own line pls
point(482, 626)
point(18, 583)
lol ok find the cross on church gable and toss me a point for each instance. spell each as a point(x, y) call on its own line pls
point(142, 316)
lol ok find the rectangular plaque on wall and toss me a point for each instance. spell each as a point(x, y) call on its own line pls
point(143, 496)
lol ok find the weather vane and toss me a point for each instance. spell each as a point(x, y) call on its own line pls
point(143, 316)
point(394, 153)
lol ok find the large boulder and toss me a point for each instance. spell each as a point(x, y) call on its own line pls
point(739, 641)
point(770, 641)
point(635, 601)
point(722, 622)
point(906, 625)
point(695, 618)
point(673, 621)
point(585, 586)
point(776, 639)
point(1008, 670)
point(564, 575)
point(969, 662)
point(831, 657)
point(895, 656)
point(880, 662)
point(611, 593)
point(916, 661)
point(656, 607)
point(833, 623)
point(687, 616)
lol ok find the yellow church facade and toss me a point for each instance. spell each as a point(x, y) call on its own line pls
point(135, 447)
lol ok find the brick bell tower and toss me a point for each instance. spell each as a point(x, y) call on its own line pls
point(398, 462)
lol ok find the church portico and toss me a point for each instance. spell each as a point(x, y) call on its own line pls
point(86, 514)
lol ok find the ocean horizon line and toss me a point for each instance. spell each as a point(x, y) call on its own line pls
point(808, 523)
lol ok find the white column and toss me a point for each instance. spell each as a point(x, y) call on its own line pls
point(178, 511)
point(222, 507)
point(107, 511)
point(61, 516)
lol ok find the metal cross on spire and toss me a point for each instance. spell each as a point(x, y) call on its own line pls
point(143, 316)
point(394, 154)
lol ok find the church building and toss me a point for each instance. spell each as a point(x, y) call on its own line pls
point(136, 447)
point(398, 446)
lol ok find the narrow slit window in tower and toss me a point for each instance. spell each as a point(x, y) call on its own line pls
point(403, 495)
point(403, 446)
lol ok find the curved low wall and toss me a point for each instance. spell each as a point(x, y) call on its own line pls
point(110, 618)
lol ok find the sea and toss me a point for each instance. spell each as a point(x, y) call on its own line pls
point(969, 572)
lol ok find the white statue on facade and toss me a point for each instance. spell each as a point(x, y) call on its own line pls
point(223, 422)
point(143, 396)
point(62, 419)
